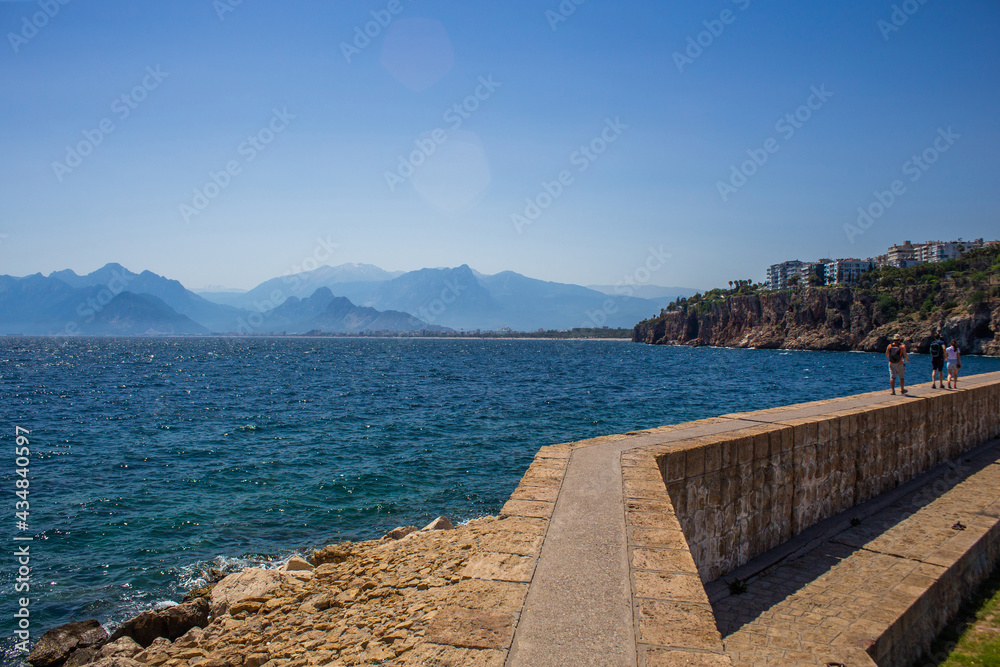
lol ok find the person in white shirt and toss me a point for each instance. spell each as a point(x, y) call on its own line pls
point(954, 356)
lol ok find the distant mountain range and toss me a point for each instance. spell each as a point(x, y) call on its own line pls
point(350, 298)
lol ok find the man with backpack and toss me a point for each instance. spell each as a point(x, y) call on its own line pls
point(896, 354)
point(937, 360)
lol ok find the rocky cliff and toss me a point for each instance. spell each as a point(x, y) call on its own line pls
point(835, 318)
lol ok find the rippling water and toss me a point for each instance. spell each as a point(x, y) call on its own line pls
point(154, 460)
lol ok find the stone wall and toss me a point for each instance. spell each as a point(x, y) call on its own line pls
point(741, 493)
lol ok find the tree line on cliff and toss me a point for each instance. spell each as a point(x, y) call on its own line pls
point(959, 297)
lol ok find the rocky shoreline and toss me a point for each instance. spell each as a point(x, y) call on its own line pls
point(823, 319)
point(374, 602)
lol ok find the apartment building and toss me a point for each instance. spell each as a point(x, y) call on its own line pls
point(779, 274)
point(902, 256)
point(939, 251)
point(810, 272)
point(847, 271)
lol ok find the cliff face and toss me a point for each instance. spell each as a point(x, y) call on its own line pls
point(828, 319)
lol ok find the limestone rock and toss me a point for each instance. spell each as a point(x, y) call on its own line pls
point(252, 583)
point(116, 661)
point(170, 623)
point(295, 563)
point(333, 553)
point(203, 592)
point(159, 646)
point(123, 647)
point(401, 532)
point(83, 656)
point(56, 645)
point(440, 523)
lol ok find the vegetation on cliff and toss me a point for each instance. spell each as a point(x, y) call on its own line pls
point(959, 297)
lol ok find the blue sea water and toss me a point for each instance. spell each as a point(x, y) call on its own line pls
point(154, 460)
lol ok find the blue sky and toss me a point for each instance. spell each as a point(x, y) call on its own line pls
point(116, 116)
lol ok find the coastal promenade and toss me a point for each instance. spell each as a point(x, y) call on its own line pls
point(617, 581)
point(838, 532)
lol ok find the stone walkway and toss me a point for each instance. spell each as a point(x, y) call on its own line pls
point(604, 587)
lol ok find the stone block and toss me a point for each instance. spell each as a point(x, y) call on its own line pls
point(657, 538)
point(713, 457)
point(471, 628)
point(659, 657)
point(744, 448)
point(675, 468)
point(729, 452)
point(694, 461)
point(670, 624)
point(761, 446)
point(669, 586)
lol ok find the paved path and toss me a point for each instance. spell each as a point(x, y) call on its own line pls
point(579, 608)
point(582, 607)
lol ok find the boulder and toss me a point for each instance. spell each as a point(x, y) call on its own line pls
point(158, 647)
point(440, 523)
point(170, 623)
point(251, 583)
point(124, 647)
point(83, 656)
point(56, 645)
point(400, 532)
point(295, 564)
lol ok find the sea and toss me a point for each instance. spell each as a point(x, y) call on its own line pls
point(145, 463)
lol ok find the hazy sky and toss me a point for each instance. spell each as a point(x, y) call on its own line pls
point(228, 142)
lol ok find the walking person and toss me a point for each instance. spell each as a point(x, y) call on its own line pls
point(954, 363)
point(896, 354)
point(937, 360)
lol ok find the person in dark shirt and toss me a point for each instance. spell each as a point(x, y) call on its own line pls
point(937, 360)
point(896, 354)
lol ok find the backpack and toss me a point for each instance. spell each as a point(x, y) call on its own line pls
point(895, 353)
point(936, 349)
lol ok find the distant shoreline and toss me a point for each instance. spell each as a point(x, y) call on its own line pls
point(316, 337)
